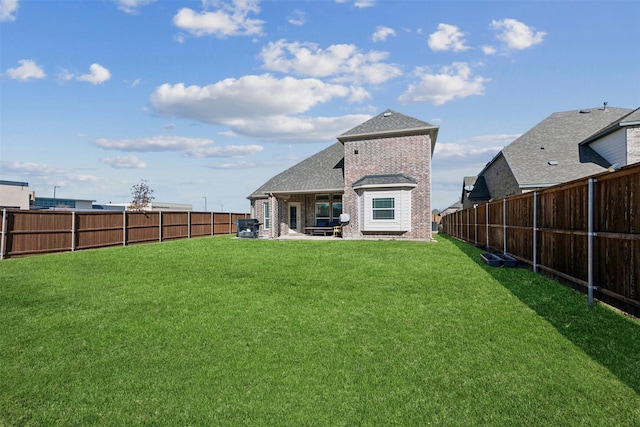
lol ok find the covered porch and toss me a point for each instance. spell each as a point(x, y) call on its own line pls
point(306, 214)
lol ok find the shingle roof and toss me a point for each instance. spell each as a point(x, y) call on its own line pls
point(382, 180)
point(631, 119)
point(550, 153)
point(388, 123)
point(479, 191)
point(321, 172)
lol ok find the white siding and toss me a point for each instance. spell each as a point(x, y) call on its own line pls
point(612, 147)
point(402, 220)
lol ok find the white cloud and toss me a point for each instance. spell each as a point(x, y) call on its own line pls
point(27, 70)
point(455, 81)
point(342, 62)
point(364, 3)
point(127, 162)
point(230, 19)
point(254, 96)
point(28, 168)
point(489, 50)
point(297, 17)
point(97, 75)
point(132, 6)
point(448, 37)
point(46, 172)
point(382, 33)
point(64, 75)
point(516, 35)
point(260, 106)
point(298, 129)
point(8, 9)
point(194, 147)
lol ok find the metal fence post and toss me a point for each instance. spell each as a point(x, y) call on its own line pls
point(160, 226)
point(486, 217)
point(73, 231)
point(591, 235)
point(475, 221)
point(189, 225)
point(535, 231)
point(212, 223)
point(468, 226)
point(504, 225)
point(4, 232)
point(124, 228)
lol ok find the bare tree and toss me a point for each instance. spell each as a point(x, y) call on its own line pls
point(142, 196)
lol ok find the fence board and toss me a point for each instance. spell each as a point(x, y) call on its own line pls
point(36, 232)
point(563, 232)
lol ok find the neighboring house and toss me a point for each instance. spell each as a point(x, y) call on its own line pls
point(474, 191)
point(452, 209)
point(15, 195)
point(559, 149)
point(618, 143)
point(378, 172)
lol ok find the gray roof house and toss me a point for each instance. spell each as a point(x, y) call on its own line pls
point(559, 149)
point(379, 173)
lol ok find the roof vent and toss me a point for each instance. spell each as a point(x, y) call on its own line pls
point(553, 162)
point(387, 114)
point(606, 110)
point(585, 111)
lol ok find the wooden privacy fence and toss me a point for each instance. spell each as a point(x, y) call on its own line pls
point(38, 232)
point(586, 231)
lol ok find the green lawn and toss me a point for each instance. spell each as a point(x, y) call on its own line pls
point(220, 331)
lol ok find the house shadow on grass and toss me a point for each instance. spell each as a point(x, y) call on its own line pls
point(608, 337)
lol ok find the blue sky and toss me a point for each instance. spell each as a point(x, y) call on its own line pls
point(212, 98)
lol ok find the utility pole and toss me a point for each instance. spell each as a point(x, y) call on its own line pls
point(205, 203)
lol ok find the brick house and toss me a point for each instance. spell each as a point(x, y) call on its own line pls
point(379, 173)
point(565, 146)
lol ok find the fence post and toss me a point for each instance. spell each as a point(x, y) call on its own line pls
point(535, 231)
point(486, 217)
point(475, 221)
point(230, 223)
point(504, 225)
point(468, 226)
point(4, 232)
point(189, 225)
point(212, 223)
point(124, 228)
point(160, 225)
point(590, 235)
point(73, 231)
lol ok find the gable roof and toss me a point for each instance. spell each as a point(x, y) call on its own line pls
point(550, 152)
point(389, 123)
point(480, 191)
point(631, 119)
point(322, 172)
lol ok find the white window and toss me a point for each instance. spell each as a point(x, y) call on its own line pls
point(267, 216)
point(383, 208)
point(386, 210)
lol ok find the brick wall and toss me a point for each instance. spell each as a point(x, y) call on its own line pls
point(409, 155)
point(500, 180)
point(633, 145)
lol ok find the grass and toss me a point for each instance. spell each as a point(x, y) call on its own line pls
point(219, 331)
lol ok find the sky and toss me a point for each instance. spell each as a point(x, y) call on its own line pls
point(206, 100)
